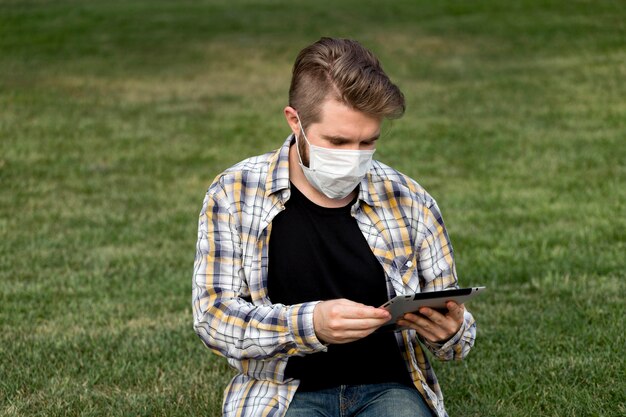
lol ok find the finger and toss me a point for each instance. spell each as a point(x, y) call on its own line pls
point(364, 312)
point(456, 311)
point(432, 314)
point(349, 318)
point(424, 331)
point(417, 319)
point(429, 329)
point(338, 309)
point(348, 335)
point(441, 326)
point(375, 313)
point(417, 322)
point(362, 324)
point(453, 307)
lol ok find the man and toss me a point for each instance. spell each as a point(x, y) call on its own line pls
point(298, 248)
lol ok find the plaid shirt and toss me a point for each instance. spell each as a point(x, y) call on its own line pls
point(234, 316)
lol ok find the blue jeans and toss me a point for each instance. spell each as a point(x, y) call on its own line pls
point(375, 400)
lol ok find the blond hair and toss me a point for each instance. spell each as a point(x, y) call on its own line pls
point(342, 69)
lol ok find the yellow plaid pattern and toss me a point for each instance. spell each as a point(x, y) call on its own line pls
point(233, 315)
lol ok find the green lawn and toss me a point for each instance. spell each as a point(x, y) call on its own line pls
point(116, 115)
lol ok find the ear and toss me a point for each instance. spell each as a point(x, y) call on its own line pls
point(292, 119)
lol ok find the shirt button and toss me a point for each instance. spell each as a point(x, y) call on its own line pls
point(409, 264)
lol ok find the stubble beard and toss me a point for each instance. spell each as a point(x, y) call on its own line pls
point(304, 151)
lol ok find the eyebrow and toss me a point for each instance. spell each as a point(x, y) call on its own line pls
point(344, 139)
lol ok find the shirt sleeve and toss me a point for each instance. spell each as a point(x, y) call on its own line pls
point(224, 318)
point(438, 272)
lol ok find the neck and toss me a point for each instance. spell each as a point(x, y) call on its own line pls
point(296, 176)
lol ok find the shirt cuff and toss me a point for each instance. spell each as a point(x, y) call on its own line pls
point(302, 328)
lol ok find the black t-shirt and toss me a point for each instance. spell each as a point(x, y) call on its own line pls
point(319, 253)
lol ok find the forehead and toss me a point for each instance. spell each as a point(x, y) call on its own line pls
point(338, 119)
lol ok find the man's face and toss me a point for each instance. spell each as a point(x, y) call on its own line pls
point(341, 127)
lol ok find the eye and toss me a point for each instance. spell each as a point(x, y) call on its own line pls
point(338, 142)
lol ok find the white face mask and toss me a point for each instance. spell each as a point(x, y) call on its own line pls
point(334, 172)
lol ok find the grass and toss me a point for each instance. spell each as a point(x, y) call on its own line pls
point(115, 116)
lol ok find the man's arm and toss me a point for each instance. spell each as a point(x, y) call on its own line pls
point(450, 335)
point(226, 322)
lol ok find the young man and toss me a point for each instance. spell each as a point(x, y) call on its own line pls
point(298, 248)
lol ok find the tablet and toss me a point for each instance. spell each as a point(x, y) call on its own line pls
point(410, 303)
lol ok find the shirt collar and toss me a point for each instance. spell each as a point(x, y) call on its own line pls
point(278, 175)
point(367, 192)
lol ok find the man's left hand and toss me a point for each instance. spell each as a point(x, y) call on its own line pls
point(433, 325)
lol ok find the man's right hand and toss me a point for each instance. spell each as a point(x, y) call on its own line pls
point(343, 321)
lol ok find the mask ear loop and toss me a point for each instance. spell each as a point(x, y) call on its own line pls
point(305, 138)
